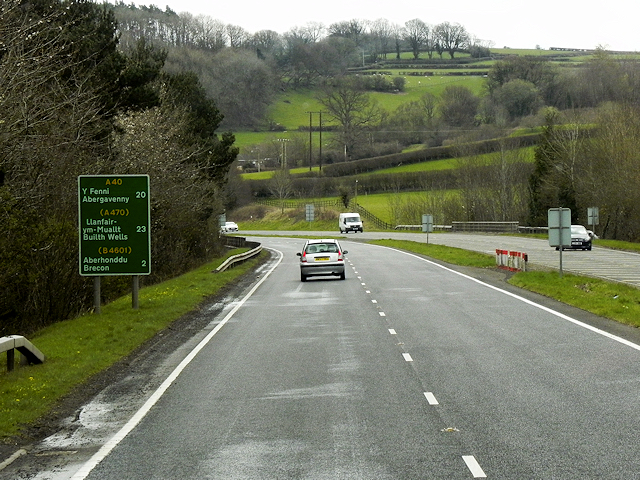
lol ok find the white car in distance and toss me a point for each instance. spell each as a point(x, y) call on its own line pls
point(229, 227)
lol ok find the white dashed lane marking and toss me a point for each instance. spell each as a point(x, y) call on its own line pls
point(470, 460)
point(473, 466)
point(431, 398)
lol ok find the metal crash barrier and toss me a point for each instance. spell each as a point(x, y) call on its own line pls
point(17, 342)
point(257, 248)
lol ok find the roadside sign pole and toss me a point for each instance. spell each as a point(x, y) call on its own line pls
point(593, 214)
point(427, 224)
point(114, 229)
point(135, 288)
point(559, 221)
point(96, 295)
point(561, 243)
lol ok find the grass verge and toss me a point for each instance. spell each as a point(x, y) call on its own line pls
point(616, 301)
point(78, 348)
point(457, 256)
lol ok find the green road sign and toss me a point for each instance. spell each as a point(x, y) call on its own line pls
point(114, 225)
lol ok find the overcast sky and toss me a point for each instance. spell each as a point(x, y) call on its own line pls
point(512, 23)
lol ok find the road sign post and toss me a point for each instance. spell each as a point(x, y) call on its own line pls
point(427, 224)
point(114, 226)
point(593, 216)
point(559, 221)
point(310, 212)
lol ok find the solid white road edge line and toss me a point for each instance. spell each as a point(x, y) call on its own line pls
point(529, 302)
point(140, 414)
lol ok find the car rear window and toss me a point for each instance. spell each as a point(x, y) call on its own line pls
point(322, 248)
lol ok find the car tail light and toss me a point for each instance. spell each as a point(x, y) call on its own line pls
point(340, 258)
point(304, 257)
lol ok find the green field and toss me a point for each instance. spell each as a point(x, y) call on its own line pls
point(430, 166)
point(291, 109)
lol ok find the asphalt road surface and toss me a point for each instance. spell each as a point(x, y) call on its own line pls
point(612, 265)
point(405, 370)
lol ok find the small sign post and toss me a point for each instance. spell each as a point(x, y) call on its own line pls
point(559, 220)
point(593, 216)
point(427, 224)
point(310, 212)
point(114, 228)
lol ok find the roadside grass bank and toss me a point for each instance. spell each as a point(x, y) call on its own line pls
point(456, 256)
point(614, 301)
point(611, 300)
point(78, 348)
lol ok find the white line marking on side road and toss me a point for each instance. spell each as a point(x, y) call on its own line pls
point(392, 331)
point(407, 357)
point(431, 398)
point(382, 314)
point(106, 449)
point(473, 466)
point(374, 301)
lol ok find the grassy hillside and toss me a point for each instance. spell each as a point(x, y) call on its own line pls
point(431, 166)
point(291, 109)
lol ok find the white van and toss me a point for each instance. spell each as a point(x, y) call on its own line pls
point(350, 222)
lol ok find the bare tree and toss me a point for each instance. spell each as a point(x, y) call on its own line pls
point(208, 33)
point(451, 36)
point(416, 33)
point(351, 106)
point(281, 185)
point(382, 33)
point(353, 29)
point(315, 31)
point(238, 36)
point(398, 35)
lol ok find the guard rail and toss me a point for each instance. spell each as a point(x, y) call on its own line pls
point(17, 342)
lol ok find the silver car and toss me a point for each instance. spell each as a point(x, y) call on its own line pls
point(321, 257)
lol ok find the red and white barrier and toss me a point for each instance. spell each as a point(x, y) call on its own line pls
point(513, 261)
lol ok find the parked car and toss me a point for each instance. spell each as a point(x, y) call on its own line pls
point(321, 257)
point(229, 227)
point(581, 238)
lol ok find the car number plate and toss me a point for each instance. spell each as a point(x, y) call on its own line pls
point(322, 259)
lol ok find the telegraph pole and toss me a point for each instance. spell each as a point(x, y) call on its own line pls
point(311, 139)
